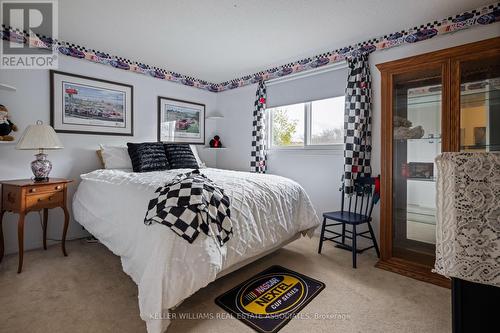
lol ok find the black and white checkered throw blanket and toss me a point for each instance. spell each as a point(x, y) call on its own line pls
point(191, 203)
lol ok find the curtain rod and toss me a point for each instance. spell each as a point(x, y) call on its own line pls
point(300, 75)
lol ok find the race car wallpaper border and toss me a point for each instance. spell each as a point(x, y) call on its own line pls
point(480, 16)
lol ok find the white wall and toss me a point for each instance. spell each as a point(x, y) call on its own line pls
point(319, 171)
point(31, 102)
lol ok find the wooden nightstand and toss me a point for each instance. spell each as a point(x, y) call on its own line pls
point(23, 196)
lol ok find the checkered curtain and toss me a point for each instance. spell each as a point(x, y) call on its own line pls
point(357, 122)
point(258, 155)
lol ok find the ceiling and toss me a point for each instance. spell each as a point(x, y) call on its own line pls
point(219, 40)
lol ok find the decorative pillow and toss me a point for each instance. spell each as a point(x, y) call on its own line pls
point(147, 156)
point(115, 157)
point(201, 164)
point(180, 156)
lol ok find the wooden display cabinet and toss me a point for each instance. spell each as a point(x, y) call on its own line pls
point(448, 100)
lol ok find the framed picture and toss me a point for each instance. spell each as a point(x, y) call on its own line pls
point(81, 104)
point(480, 136)
point(421, 170)
point(180, 121)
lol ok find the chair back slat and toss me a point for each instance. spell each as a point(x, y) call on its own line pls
point(363, 202)
point(356, 203)
point(361, 206)
point(343, 196)
point(368, 200)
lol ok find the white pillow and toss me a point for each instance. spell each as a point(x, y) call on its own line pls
point(116, 157)
point(197, 157)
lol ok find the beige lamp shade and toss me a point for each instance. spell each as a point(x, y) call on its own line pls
point(39, 136)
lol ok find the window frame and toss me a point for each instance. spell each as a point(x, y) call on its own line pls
point(307, 131)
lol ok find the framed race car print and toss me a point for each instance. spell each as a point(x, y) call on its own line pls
point(86, 105)
point(180, 121)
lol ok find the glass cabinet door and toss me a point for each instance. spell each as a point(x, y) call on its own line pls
point(416, 141)
point(480, 104)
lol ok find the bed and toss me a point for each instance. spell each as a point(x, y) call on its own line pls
point(267, 212)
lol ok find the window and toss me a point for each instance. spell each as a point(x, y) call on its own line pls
point(287, 125)
point(316, 123)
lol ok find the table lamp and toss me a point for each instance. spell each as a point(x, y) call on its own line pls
point(40, 137)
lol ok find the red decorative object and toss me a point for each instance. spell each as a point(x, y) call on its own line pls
point(405, 170)
point(262, 100)
point(215, 142)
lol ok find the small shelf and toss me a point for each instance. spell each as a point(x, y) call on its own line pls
point(421, 179)
point(480, 146)
point(436, 139)
point(428, 138)
point(7, 87)
point(215, 117)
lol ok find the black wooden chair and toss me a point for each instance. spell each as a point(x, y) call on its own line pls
point(358, 211)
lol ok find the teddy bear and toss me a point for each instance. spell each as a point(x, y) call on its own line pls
point(215, 142)
point(6, 126)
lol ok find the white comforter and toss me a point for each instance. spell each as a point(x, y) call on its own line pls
point(266, 210)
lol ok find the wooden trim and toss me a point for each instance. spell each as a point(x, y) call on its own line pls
point(386, 169)
point(414, 271)
point(440, 55)
point(454, 131)
point(445, 107)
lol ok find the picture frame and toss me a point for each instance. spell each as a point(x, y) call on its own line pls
point(480, 136)
point(180, 121)
point(86, 105)
point(421, 170)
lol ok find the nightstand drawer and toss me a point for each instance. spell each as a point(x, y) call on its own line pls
point(44, 200)
point(36, 189)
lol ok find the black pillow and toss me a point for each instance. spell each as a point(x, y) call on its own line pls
point(147, 156)
point(180, 156)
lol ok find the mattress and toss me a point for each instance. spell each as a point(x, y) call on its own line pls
point(266, 211)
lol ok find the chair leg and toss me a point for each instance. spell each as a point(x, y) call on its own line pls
point(343, 233)
point(374, 239)
point(322, 235)
point(354, 252)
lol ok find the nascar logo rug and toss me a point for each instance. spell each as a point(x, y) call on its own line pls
point(268, 301)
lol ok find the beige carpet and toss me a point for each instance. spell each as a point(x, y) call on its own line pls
point(88, 292)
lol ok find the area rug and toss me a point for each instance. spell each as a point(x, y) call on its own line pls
point(270, 299)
